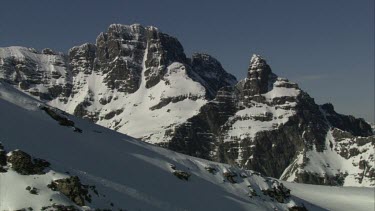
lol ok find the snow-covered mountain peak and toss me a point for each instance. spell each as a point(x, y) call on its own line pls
point(259, 77)
point(257, 63)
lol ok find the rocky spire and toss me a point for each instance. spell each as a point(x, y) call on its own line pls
point(258, 64)
point(259, 73)
point(122, 51)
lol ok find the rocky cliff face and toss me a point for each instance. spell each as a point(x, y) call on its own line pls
point(137, 80)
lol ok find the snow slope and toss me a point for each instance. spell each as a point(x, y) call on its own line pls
point(335, 198)
point(132, 175)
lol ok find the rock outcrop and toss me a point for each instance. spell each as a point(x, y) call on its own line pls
point(72, 188)
point(24, 164)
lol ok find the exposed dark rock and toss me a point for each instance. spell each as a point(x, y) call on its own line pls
point(32, 190)
point(165, 101)
point(105, 101)
point(48, 51)
point(62, 120)
point(60, 207)
point(73, 189)
point(278, 192)
point(59, 118)
point(314, 178)
point(3, 157)
point(110, 115)
point(25, 209)
point(80, 109)
point(55, 91)
point(297, 208)
point(22, 163)
point(230, 176)
point(77, 130)
point(183, 175)
point(178, 173)
point(210, 169)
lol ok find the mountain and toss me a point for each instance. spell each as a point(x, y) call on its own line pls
point(138, 81)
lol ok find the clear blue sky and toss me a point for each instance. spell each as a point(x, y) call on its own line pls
point(326, 46)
